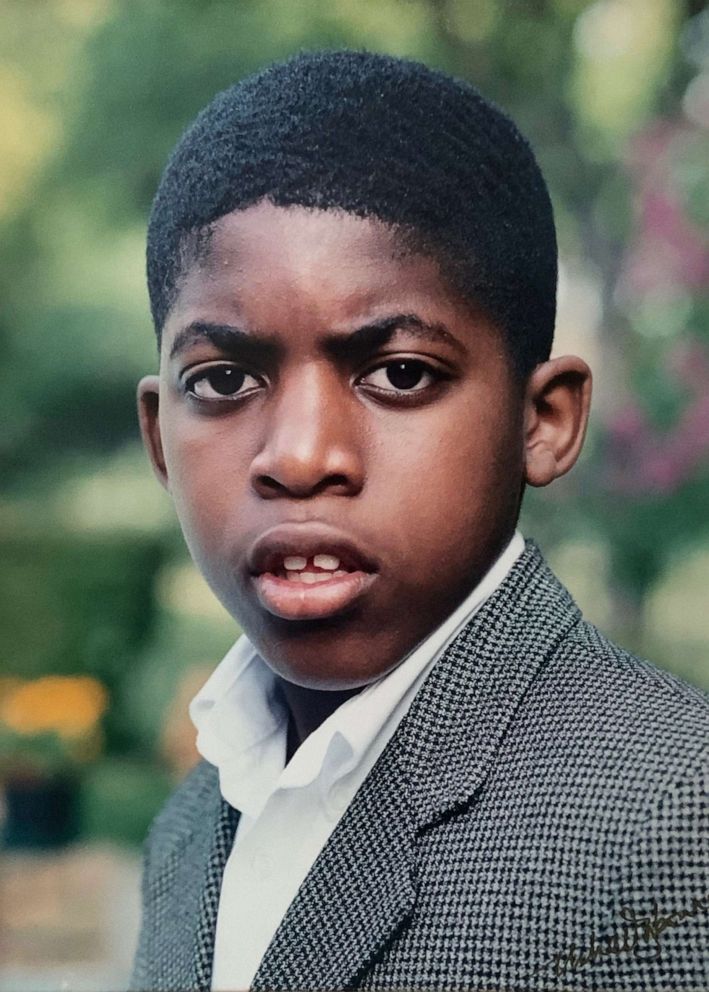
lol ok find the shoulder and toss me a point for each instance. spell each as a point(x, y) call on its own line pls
point(621, 694)
point(196, 796)
point(621, 727)
point(591, 706)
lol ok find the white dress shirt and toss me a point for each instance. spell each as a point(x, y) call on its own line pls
point(288, 811)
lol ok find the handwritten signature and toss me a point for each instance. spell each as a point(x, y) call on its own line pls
point(639, 936)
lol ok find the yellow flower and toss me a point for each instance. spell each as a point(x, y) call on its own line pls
point(71, 706)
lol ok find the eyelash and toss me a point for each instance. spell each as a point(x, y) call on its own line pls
point(203, 376)
point(435, 374)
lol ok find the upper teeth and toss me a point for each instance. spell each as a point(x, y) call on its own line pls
point(296, 563)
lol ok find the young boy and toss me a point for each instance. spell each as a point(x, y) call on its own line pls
point(423, 769)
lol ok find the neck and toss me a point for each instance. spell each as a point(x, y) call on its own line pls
point(307, 709)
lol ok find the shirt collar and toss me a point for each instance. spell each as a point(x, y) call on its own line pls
point(241, 720)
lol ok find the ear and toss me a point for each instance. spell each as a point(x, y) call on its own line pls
point(557, 404)
point(148, 415)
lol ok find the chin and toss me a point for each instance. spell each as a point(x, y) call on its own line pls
point(333, 675)
point(322, 654)
point(324, 681)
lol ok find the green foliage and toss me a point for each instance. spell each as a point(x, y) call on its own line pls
point(180, 645)
point(45, 755)
point(73, 604)
point(119, 799)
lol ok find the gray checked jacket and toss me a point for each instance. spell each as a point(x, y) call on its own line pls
point(537, 822)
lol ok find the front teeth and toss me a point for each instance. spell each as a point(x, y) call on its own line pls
point(310, 578)
point(296, 568)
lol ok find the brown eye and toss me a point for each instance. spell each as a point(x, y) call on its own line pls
point(220, 382)
point(406, 375)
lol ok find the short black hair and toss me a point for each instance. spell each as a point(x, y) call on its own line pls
point(379, 137)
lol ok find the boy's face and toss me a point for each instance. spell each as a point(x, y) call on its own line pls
point(323, 392)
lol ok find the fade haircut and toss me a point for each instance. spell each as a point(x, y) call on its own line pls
point(383, 138)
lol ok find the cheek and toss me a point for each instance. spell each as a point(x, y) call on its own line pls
point(206, 476)
point(459, 477)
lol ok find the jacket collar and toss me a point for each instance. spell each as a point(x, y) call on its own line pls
point(361, 888)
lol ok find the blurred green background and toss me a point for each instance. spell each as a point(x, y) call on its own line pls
point(95, 581)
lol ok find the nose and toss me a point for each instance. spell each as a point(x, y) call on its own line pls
point(311, 444)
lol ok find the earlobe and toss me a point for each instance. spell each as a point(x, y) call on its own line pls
point(557, 405)
point(148, 416)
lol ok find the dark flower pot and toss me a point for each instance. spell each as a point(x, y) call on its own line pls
point(40, 812)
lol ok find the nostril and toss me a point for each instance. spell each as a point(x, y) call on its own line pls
point(268, 486)
point(268, 483)
point(335, 482)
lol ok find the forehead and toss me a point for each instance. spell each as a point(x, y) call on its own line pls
point(326, 266)
point(302, 234)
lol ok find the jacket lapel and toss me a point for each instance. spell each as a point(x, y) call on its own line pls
point(458, 720)
point(361, 888)
point(358, 892)
point(203, 955)
point(183, 879)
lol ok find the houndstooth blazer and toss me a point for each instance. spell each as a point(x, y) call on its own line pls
point(535, 823)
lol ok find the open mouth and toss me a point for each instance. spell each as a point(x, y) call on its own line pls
point(307, 575)
point(313, 569)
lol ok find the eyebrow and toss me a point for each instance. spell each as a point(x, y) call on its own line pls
point(352, 346)
point(226, 338)
point(376, 334)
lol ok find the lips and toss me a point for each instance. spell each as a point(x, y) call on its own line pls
point(298, 600)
